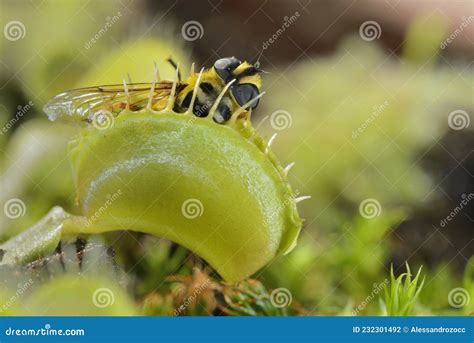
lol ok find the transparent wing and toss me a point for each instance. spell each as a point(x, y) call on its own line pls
point(81, 104)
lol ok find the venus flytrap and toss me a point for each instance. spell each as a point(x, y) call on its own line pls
point(42, 237)
point(248, 213)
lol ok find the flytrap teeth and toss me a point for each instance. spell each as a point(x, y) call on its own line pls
point(242, 112)
point(172, 96)
point(196, 87)
point(242, 109)
point(213, 109)
point(302, 198)
point(270, 142)
point(288, 168)
point(156, 78)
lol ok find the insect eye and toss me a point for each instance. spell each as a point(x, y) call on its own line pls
point(228, 63)
point(225, 66)
point(245, 92)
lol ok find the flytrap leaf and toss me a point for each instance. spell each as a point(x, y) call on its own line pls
point(212, 187)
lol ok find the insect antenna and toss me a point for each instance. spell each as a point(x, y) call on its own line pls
point(257, 63)
point(157, 72)
point(219, 98)
point(196, 87)
point(171, 99)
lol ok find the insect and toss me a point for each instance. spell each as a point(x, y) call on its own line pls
point(246, 82)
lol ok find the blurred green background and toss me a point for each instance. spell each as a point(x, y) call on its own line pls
point(373, 100)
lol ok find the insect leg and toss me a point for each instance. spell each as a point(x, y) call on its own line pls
point(80, 246)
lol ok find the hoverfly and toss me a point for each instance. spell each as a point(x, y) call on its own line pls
point(242, 79)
